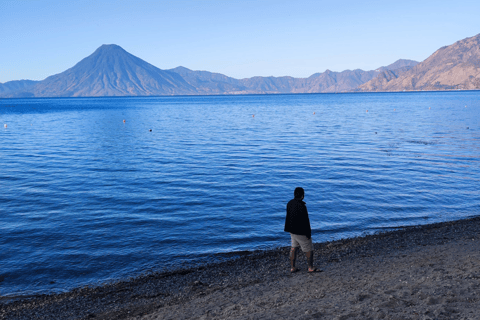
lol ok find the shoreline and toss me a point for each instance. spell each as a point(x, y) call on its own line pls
point(244, 94)
point(265, 275)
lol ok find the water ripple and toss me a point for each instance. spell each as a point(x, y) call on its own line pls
point(86, 198)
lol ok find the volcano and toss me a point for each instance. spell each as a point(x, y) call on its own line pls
point(112, 71)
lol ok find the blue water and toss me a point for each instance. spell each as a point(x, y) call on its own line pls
point(86, 198)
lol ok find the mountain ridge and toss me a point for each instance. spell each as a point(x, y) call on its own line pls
point(399, 64)
point(112, 71)
point(452, 67)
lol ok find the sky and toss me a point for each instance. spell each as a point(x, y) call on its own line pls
point(240, 39)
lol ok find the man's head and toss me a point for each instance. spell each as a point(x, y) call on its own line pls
point(299, 193)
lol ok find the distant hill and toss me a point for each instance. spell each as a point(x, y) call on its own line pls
point(387, 74)
point(17, 88)
point(382, 79)
point(112, 71)
point(328, 81)
point(451, 67)
point(404, 64)
point(270, 84)
point(209, 83)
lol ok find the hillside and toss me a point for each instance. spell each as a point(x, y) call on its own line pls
point(451, 67)
point(399, 64)
point(17, 88)
point(329, 81)
point(112, 71)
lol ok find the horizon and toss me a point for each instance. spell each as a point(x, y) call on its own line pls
point(239, 40)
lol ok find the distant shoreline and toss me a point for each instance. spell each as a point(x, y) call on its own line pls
point(245, 94)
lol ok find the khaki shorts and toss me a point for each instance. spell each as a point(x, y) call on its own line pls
point(301, 241)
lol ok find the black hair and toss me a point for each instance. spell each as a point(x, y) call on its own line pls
point(299, 193)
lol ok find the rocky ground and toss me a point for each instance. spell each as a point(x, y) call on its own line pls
point(427, 272)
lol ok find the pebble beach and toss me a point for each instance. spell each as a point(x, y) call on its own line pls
point(425, 272)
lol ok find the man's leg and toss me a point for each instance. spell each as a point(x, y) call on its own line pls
point(311, 268)
point(309, 255)
point(293, 257)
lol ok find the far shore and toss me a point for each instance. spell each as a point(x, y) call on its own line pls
point(240, 94)
point(424, 272)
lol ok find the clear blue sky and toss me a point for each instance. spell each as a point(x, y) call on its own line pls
point(237, 38)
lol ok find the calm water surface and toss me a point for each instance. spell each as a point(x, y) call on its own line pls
point(86, 198)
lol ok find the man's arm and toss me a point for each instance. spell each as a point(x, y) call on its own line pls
point(309, 231)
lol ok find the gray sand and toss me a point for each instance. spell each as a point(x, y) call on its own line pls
point(427, 272)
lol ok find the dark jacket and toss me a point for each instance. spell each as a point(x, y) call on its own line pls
point(297, 221)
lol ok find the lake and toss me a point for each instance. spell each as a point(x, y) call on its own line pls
point(87, 198)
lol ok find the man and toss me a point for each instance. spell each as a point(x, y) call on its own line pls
point(298, 224)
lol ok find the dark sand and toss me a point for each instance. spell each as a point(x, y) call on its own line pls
point(426, 272)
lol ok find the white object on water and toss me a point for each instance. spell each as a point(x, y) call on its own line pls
point(5, 125)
